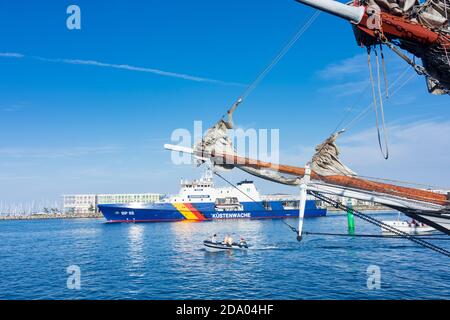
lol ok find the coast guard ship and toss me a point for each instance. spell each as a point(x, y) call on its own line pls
point(199, 200)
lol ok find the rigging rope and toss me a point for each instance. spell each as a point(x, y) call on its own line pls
point(234, 186)
point(446, 55)
point(420, 70)
point(387, 236)
point(369, 107)
point(360, 115)
point(387, 88)
point(380, 224)
point(386, 83)
point(252, 86)
point(385, 151)
point(396, 181)
point(253, 200)
point(350, 110)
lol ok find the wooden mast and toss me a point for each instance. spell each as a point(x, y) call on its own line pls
point(338, 180)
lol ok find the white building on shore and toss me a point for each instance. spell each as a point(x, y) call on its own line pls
point(87, 203)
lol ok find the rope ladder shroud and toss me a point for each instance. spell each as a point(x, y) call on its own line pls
point(365, 217)
point(380, 224)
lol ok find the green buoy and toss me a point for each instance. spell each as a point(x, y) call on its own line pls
point(350, 218)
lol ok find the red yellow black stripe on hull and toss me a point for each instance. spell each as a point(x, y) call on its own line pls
point(189, 212)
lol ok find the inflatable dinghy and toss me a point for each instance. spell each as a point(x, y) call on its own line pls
point(219, 246)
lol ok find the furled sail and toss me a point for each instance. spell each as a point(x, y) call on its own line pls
point(217, 142)
point(432, 13)
point(326, 161)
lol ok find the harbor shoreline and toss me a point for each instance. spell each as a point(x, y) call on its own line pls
point(51, 216)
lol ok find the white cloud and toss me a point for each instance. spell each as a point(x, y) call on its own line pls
point(345, 67)
point(56, 152)
point(124, 67)
point(355, 71)
point(12, 108)
point(139, 69)
point(11, 55)
point(343, 89)
point(419, 152)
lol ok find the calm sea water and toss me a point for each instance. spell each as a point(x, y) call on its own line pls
point(167, 261)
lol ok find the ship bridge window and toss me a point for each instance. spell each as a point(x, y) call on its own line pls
point(228, 204)
point(290, 205)
point(229, 200)
point(319, 204)
point(267, 205)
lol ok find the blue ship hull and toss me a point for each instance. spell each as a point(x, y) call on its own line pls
point(159, 212)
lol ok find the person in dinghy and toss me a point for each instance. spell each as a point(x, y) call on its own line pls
point(228, 240)
point(243, 243)
point(225, 245)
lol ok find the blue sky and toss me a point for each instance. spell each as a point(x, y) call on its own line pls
point(89, 110)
